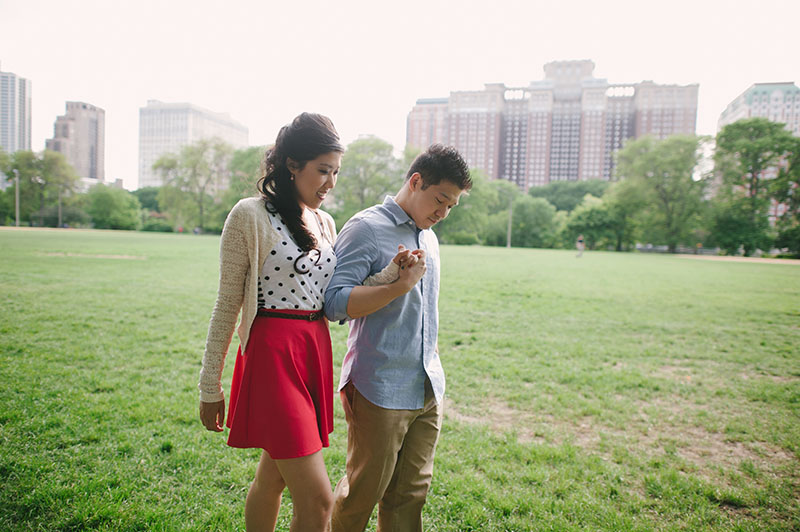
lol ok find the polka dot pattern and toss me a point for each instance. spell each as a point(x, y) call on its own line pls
point(280, 286)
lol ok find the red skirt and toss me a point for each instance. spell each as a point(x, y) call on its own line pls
point(282, 391)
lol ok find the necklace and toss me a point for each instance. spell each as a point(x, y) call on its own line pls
point(318, 219)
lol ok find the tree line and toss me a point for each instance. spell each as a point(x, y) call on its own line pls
point(661, 194)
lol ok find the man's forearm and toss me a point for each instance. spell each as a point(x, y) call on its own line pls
point(365, 300)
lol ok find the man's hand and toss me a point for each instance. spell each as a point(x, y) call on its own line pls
point(365, 300)
point(213, 415)
point(406, 258)
point(413, 272)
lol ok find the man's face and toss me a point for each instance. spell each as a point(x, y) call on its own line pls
point(431, 205)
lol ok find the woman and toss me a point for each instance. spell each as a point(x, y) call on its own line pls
point(276, 259)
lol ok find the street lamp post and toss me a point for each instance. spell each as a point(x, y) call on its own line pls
point(16, 194)
point(510, 216)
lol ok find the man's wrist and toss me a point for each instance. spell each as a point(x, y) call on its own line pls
point(399, 288)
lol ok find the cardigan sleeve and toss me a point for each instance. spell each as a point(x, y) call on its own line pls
point(233, 265)
point(387, 275)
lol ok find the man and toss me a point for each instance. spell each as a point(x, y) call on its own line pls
point(392, 383)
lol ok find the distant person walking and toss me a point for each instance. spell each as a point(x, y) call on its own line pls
point(276, 258)
point(580, 246)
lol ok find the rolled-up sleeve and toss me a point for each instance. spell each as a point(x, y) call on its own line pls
point(356, 252)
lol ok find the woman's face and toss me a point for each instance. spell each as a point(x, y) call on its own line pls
point(316, 178)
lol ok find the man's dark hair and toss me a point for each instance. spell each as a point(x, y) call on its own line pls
point(441, 163)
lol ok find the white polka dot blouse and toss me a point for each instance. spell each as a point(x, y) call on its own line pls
point(292, 279)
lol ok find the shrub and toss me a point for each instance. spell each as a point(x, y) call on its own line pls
point(157, 225)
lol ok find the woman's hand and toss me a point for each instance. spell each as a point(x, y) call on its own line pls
point(213, 415)
point(406, 258)
point(411, 275)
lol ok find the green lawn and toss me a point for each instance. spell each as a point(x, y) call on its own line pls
point(610, 392)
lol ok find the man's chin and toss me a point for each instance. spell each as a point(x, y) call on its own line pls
point(428, 223)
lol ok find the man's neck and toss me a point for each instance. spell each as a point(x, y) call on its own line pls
point(402, 199)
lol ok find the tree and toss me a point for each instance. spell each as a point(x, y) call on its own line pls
point(178, 206)
point(6, 198)
point(7, 206)
point(246, 168)
point(59, 177)
point(148, 198)
point(45, 180)
point(533, 224)
point(591, 219)
point(199, 171)
point(25, 163)
point(747, 151)
point(467, 223)
point(113, 208)
point(785, 189)
point(665, 171)
point(624, 200)
point(732, 226)
point(566, 195)
point(369, 172)
point(500, 209)
point(506, 193)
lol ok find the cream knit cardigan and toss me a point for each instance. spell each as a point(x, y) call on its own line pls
point(247, 239)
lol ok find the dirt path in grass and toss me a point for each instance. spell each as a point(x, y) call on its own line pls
point(795, 262)
point(649, 435)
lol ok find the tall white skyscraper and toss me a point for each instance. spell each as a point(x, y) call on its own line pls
point(80, 136)
point(15, 112)
point(167, 127)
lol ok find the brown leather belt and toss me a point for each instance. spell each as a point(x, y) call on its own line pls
point(314, 316)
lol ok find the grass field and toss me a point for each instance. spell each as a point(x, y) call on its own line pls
point(611, 392)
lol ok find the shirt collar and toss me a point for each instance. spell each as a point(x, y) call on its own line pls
point(397, 213)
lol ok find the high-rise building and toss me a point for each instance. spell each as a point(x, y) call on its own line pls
point(15, 112)
point(80, 135)
point(167, 127)
point(777, 102)
point(566, 127)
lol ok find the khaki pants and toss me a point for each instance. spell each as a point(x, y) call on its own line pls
point(389, 462)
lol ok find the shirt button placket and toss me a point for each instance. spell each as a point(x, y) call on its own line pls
point(424, 290)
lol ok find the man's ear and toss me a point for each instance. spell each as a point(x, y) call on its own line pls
point(415, 182)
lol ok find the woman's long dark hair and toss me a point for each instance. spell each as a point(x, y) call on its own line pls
point(306, 138)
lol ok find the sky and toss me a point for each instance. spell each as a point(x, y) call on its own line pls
point(365, 63)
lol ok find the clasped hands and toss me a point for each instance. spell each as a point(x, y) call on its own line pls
point(411, 263)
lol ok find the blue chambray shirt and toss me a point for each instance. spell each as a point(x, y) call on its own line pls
point(391, 351)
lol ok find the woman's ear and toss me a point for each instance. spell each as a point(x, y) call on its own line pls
point(292, 165)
